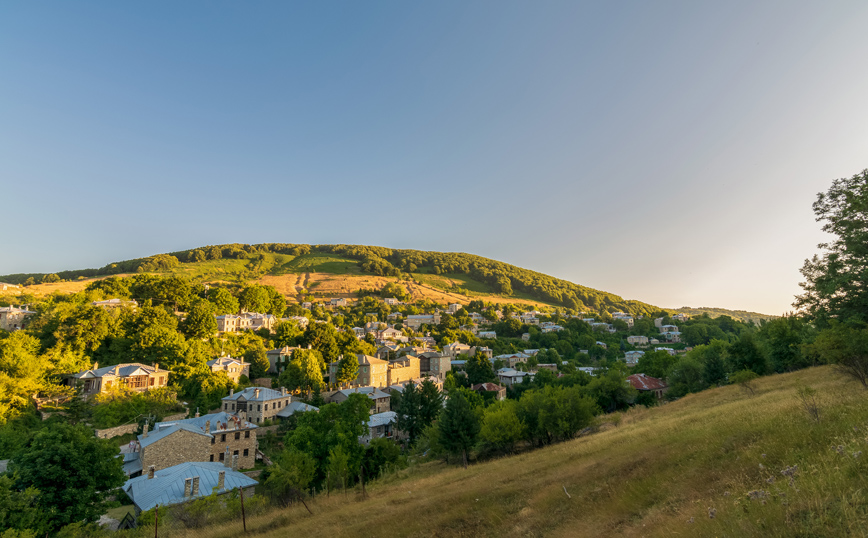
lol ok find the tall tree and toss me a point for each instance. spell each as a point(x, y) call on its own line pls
point(304, 371)
point(836, 282)
point(199, 321)
point(459, 425)
point(224, 302)
point(348, 368)
point(408, 413)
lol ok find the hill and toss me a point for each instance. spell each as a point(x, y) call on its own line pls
point(297, 270)
point(721, 462)
point(740, 315)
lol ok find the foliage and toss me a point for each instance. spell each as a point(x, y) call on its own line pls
point(304, 371)
point(501, 428)
point(459, 425)
point(846, 347)
point(117, 407)
point(292, 473)
point(745, 379)
point(348, 368)
point(199, 321)
point(834, 281)
point(73, 471)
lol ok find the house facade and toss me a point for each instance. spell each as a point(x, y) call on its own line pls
point(646, 383)
point(256, 404)
point(13, 319)
point(233, 368)
point(380, 401)
point(253, 321)
point(129, 376)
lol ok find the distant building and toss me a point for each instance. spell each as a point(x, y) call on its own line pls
point(233, 368)
point(636, 340)
point(256, 404)
point(129, 376)
point(115, 303)
point(13, 319)
point(380, 400)
point(646, 383)
point(247, 321)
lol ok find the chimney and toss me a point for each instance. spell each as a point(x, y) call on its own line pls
point(226, 461)
point(156, 366)
point(234, 462)
point(145, 430)
point(231, 392)
point(255, 393)
point(151, 469)
point(195, 491)
point(118, 370)
point(221, 480)
point(207, 426)
point(96, 366)
point(197, 413)
point(188, 484)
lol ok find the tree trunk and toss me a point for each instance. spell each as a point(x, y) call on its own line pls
point(464, 455)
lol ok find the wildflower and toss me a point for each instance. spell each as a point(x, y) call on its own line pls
point(690, 520)
point(857, 454)
point(761, 466)
point(840, 449)
point(711, 513)
point(726, 494)
point(771, 480)
point(758, 494)
point(763, 455)
point(790, 471)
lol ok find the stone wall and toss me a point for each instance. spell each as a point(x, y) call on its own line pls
point(178, 447)
point(172, 418)
point(222, 440)
point(108, 433)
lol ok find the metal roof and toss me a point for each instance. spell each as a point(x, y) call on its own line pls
point(156, 435)
point(167, 486)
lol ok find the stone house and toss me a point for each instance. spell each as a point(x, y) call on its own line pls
point(233, 368)
point(13, 319)
point(246, 321)
point(380, 400)
point(278, 359)
point(434, 364)
point(637, 340)
point(256, 404)
point(381, 425)
point(130, 376)
point(402, 370)
point(213, 437)
point(372, 372)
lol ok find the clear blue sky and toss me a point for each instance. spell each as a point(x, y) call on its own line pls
point(664, 151)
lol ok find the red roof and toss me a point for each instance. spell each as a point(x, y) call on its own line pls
point(645, 382)
point(491, 387)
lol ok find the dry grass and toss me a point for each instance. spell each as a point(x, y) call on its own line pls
point(657, 474)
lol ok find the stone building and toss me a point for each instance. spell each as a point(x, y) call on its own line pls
point(372, 372)
point(216, 437)
point(434, 364)
point(13, 319)
point(130, 376)
point(256, 404)
point(402, 370)
point(380, 401)
point(233, 368)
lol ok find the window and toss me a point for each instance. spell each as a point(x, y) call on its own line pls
point(237, 435)
point(259, 408)
point(213, 440)
point(246, 452)
point(266, 407)
point(221, 456)
point(223, 438)
point(247, 435)
point(235, 453)
point(151, 381)
point(212, 457)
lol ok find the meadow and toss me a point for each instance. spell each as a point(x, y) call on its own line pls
point(723, 462)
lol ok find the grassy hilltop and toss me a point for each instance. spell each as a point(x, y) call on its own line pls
point(340, 270)
point(709, 464)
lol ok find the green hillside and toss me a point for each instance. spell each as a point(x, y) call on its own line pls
point(740, 315)
point(723, 462)
point(462, 273)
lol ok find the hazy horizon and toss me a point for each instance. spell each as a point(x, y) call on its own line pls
point(667, 153)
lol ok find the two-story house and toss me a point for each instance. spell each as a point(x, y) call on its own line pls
point(128, 376)
point(256, 404)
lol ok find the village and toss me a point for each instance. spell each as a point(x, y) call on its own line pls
point(196, 452)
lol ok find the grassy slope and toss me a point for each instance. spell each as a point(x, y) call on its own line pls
point(648, 477)
point(741, 315)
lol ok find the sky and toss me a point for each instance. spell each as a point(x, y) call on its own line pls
point(664, 151)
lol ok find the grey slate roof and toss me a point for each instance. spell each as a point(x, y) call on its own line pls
point(381, 419)
point(167, 486)
point(156, 435)
point(215, 418)
point(295, 407)
point(250, 392)
point(371, 392)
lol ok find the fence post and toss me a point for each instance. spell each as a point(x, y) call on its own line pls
point(243, 517)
